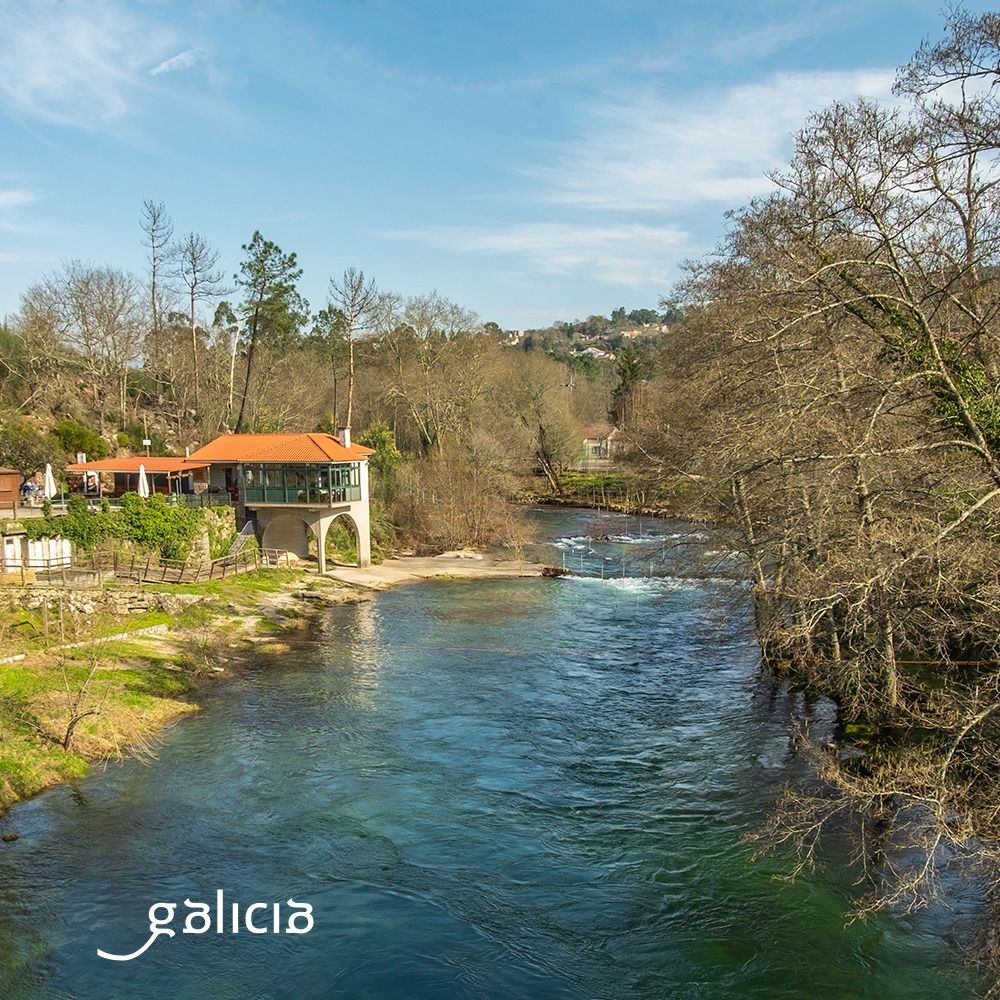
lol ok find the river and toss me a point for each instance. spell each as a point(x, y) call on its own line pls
point(502, 789)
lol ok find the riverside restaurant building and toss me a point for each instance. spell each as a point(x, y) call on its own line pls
point(285, 485)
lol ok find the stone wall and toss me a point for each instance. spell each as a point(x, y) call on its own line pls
point(101, 602)
point(218, 525)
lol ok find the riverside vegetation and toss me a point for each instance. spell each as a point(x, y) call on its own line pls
point(96, 674)
point(826, 392)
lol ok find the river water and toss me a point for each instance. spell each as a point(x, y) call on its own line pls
point(525, 788)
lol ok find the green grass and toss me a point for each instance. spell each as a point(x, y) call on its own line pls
point(30, 697)
point(195, 616)
point(26, 767)
point(136, 684)
point(264, 581)
point(582, 482)
point(138, 687)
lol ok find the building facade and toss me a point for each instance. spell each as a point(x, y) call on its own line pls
point(291, 485)
point(288, 486)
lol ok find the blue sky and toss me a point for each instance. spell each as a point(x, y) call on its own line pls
point(533, 161)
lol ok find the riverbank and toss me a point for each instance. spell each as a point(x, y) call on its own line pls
point(86, 680)
point(619, 492)
point(82, 686)
point(465, 564)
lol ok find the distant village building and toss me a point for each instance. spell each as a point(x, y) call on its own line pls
point(597, 353)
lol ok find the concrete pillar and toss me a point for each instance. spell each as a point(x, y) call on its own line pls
point(319, 528)
point(362, 524)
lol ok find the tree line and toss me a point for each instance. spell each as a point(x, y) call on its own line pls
point(832, 393)
point(99, 359)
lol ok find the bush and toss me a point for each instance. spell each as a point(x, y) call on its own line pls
point(156, 524)
point(152, 525)
point(74, 437)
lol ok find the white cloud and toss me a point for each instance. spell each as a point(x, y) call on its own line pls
point(73, 62)
point(181, 61)
point(631, 255)
point(657, 160)
point(25, 258)
point(12, 197)
point(657, 153)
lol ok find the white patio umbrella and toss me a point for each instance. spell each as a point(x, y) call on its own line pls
point(143, 487)
point(49, 486)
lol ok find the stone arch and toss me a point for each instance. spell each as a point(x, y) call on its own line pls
point(287, 533)
point(347, 522)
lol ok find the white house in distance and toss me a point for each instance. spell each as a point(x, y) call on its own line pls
point(288, 483)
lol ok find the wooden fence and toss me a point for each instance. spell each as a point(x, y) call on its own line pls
point(92, 569)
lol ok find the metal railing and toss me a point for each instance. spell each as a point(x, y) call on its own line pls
point(208, 498)
point(293, 495)
point(242, 538)
point(96, 568)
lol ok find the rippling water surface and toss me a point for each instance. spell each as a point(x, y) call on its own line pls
point(527, 788)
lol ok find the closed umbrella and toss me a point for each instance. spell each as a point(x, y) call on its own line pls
point(49, 486)
point(143, 488)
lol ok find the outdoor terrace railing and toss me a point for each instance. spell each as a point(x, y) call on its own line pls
point(208, 498)
point(286, 495)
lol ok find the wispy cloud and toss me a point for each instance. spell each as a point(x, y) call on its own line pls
point(26, 258)
point(776, 33)
point(632, 255)
point(76, 63)
point(642, 169)
point(12, 197)
point(181, 61)
point(656, 153)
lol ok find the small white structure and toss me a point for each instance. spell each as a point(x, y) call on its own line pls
point(598, 448)
point(20, 552)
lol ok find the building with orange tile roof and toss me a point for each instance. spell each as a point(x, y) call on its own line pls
point(285, 485)
point(288, 485)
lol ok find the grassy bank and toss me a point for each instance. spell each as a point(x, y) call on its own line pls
point(668, 496)
point(83, 693)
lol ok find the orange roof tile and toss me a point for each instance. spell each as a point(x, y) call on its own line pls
point(279, 448)
point(132, 463)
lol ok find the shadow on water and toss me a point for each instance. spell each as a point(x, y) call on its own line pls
point(505, 788)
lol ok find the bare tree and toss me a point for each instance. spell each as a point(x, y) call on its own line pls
point(355, 297)
point(97, 313)
point(158, 230)
point(195, 266)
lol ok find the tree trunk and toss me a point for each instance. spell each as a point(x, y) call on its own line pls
point(350, 375)
point(246, 382)
point(194, 354)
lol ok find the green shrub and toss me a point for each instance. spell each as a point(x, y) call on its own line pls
point(153, 525)
point(74, 437)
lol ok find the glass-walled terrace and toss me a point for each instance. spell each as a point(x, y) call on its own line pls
point(315, 485)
